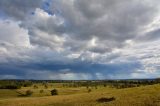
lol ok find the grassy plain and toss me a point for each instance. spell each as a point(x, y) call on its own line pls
point(71, 96)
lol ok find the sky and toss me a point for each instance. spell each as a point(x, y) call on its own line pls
point(79, 39)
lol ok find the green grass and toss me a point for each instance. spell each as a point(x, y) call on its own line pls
point(138, 96)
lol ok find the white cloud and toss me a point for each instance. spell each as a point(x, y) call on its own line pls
point(110, 33)
point(146, 53)
point(12, 34)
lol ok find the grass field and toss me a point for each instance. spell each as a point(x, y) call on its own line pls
point(138, 96)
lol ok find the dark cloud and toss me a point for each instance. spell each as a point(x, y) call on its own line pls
point(112, 22)
point(19, 9)
point(68, 39)
point(76, 66)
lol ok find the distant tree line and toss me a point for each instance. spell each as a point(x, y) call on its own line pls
point(14, 84)
point(113, 83)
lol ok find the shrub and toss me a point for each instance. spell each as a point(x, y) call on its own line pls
point(41, 91)
point(35, 87)
point(27, 83)
point(87, 86)
point(95, 87)
point(29, 93)
point(45, 86)
point(89, 90)
point(54, 92)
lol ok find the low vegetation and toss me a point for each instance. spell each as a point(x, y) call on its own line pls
point(14, 84)
point(54, 92)
point(81, 93)
point(29, 93)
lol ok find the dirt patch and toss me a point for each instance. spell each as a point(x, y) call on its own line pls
point(104, 99)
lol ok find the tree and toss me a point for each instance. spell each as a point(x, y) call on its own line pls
point(54, 92)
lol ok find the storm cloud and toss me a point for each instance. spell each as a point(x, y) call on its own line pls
point(79, 39)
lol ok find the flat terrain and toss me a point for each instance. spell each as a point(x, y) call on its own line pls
point(138, 96)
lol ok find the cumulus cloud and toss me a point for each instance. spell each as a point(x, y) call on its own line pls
point(59, 39)
point(13, 35)
point(18, 9)
point(44, 29)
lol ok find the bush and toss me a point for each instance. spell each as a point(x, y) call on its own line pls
point(46, 86)
point(96, 87)
point(29, 93)
point(27, 83)
point(35, 87)
point(87, 86)
point(89, 90)
point(54, 92)
point(41, 91)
